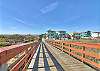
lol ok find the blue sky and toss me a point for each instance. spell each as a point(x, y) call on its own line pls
point(37, 16)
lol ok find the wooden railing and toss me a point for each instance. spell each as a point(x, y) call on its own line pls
point(86, 52)
point(23, 51)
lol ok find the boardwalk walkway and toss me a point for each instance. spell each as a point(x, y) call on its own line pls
point(48, 58)
point(43, 60)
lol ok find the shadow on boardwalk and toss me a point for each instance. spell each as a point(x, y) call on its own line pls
point(46, 65)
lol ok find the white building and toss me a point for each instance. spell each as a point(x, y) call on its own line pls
point(95, 34)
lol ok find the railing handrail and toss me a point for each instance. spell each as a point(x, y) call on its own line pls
point(83, 49)
point(13, 46)
point(6, 51)
point(26, 50)
point(91, 45)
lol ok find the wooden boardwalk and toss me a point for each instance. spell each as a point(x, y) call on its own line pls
point(43, 60)
point(48, 58)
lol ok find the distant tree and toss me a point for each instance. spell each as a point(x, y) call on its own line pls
point(89, 33)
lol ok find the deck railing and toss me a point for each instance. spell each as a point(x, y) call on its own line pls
point(17, 57)
point(86, 52)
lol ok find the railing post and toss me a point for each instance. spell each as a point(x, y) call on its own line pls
point(70, 50)
point(83, 54)
point(62, 46)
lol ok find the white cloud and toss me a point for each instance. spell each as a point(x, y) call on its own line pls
point(22, 22)
point(49, 7)
point(19, 20)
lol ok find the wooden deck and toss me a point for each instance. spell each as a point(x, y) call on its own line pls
point(43, 60)
point(48, 58)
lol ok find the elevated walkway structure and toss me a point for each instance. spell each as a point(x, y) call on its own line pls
point(50, 55)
